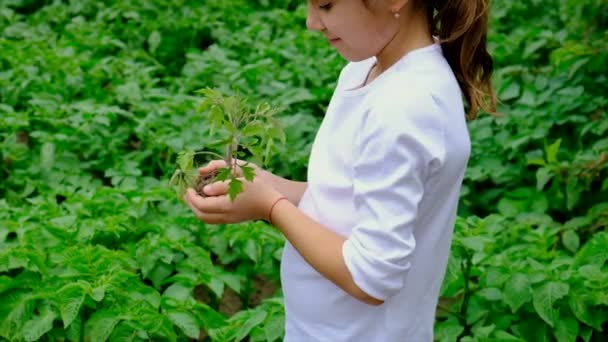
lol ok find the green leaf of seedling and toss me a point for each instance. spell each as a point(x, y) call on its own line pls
point(235, 187)
point(248, 172)
point(223, 174)
point(185, 160)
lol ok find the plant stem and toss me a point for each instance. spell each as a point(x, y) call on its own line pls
point(209, 153)
point(466, 271)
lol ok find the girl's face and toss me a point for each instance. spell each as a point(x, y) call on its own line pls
point(357, 31)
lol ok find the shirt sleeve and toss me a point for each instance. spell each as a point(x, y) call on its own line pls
point(400, 145)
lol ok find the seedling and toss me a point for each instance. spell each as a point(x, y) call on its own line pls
point(242, 128)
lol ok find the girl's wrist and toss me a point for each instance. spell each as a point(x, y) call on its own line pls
point(273, 208)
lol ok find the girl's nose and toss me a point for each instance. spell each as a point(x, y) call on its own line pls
point(313, 22)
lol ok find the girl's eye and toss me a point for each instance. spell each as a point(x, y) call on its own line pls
point(325, 7)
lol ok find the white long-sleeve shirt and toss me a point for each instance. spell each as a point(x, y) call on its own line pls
point(385, 171)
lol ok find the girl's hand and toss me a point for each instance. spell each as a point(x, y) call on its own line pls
point(219, 163)
point(252, 203)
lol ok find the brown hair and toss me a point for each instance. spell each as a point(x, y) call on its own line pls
point(461, 26)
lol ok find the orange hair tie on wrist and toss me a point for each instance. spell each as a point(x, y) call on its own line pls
point(272, 207)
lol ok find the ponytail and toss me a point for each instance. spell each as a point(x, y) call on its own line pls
point(461, 26)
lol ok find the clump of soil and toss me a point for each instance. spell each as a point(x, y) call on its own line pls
point(202, 181)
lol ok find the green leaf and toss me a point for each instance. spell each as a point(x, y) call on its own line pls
point(64, 221)
point(101, 324)
point(98, 293)
point(544, 299)
point(490, 293)
point(543, 175)
point(178, 292)
point(274, 328)
point(448, 330)
point(475, 243)
point(552, 150)
point(510, 91)
point(566, 328)
point(235, 187)
point(593, 272)
point(123, 332)
point(256, 318)
point(6, 283)
point(248, 172)
point(217, 286)
point(585, 333)
point(594, 251)
point(71, 298)
point(186, 322)
point(573, 193)
point(35, 328)
point(185, 160)
point(154, 41)
point(503, 336)
point(74, 331)
point(19, 307)
point(517, 291)
point(532, 329)
point(223, 174)
point(252, 250)
point(47, 156)
point(537, 161)
point(571, 240)
point(584, 311)
point(510, 207)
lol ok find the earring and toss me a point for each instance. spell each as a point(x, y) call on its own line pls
point(396, 14)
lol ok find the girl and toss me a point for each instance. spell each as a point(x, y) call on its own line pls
point(369, 234)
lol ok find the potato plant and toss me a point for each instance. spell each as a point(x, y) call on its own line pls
point(98, 100)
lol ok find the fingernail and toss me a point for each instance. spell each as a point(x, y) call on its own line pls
point(207, 188)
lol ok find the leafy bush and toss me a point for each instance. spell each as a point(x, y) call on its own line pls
point(98, 98)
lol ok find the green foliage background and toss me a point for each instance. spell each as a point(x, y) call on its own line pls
point(97, 98)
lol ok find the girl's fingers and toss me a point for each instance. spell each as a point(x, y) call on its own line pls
point(207, 217)
point(216, 188)
point(208, 205)
point(212, 166)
